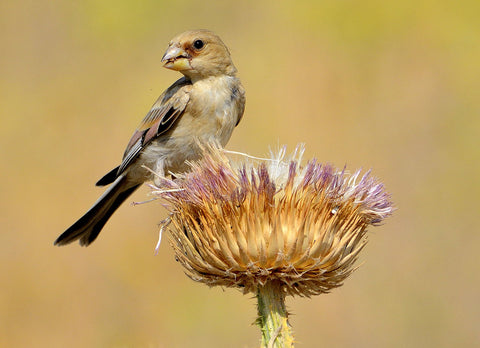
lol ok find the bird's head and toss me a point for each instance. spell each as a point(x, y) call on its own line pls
point(198, 54)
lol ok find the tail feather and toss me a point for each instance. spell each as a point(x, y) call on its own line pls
point(87, 228)
point(108, 178)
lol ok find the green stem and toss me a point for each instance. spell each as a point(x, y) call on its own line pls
point(273, 316)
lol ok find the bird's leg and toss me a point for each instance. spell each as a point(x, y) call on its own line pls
point(159, 172)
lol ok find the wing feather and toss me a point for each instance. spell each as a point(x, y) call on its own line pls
point(161, 117)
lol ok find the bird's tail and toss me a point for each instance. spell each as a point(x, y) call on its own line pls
point(87, 228)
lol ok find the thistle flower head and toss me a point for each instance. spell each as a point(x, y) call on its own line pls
point(243, 223)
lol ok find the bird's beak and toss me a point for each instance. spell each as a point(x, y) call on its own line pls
point(176, 58)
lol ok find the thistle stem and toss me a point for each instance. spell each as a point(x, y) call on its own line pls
point(273, 316)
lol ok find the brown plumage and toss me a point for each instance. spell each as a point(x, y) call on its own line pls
point(203, 106)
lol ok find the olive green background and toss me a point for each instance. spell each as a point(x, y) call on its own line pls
point(388, 85)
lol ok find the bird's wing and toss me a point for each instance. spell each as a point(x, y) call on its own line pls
point(238, 95)
point(166, 110)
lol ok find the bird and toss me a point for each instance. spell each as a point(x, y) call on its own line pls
point(204, 105)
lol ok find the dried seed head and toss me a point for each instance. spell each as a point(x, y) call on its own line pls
point(242, 224)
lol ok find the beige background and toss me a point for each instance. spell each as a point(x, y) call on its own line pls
point(392, 86)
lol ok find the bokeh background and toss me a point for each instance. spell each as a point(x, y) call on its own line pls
point(388, 85)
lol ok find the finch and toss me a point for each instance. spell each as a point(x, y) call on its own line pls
point(203, 106)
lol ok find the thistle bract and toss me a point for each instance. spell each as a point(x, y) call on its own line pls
point(242, 223)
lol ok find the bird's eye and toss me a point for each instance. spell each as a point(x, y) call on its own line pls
point(198, 44)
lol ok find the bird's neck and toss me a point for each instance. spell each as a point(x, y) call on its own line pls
point(230, 71)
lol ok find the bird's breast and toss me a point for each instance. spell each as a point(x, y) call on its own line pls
point(213, 108)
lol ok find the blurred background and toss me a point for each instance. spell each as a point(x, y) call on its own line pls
point(392, 86)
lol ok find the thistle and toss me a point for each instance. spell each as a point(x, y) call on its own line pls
point(271, 227)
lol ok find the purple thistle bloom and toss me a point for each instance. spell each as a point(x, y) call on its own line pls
point(243, 223)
